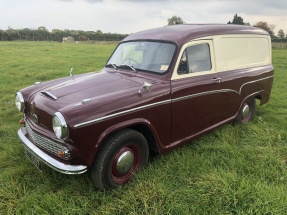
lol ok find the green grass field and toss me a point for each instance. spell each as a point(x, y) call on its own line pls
point(233, 170)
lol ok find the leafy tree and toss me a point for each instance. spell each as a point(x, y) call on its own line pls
point(175, 20)
point(2, 34)
point(264, 26)
point(272, 27)
point(42, 28)
point(237, 20)
point(41, 33)
point(57, 35)
point(25, 34)
point(12, 34)
point(281, 34)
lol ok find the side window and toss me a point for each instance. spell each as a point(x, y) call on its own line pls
point(195, 59)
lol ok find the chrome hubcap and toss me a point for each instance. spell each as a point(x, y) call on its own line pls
point(125, 162)
point(245, 111)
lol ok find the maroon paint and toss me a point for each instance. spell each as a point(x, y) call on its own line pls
point(112, 91)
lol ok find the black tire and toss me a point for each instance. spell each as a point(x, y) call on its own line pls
point(246, 112)
point(122, 154)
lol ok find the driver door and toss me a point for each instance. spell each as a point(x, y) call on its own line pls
point(196, 92)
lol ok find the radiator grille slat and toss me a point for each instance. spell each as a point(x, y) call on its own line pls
point(45, 143)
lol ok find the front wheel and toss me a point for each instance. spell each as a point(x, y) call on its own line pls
point(246, 112)
point(121, 156)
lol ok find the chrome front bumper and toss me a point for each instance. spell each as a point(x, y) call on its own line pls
point(47, 159)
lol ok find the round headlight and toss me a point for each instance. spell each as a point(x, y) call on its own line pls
point(60, 126)
point(19, 101)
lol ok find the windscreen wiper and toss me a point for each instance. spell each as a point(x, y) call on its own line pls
point(111, 65)
point(127, 66)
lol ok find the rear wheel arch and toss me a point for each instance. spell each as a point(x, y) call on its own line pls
point(246, 111)
point(260, 98)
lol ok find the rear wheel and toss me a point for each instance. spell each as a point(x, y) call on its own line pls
point(122, 155)
point(246, 112)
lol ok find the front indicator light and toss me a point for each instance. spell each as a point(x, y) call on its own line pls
point(63, 153)
point(21, 122)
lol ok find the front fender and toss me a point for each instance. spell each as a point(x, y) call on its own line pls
point(125, 124)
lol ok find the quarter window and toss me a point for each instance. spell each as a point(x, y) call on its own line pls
point(195, 59)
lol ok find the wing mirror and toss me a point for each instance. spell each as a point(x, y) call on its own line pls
point(146, 86)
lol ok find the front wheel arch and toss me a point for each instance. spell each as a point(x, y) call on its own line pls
point(141, 125)
point(122, 154)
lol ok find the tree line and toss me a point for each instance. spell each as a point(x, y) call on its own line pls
point(43, 34)
point(238, 20)
point(281, 36)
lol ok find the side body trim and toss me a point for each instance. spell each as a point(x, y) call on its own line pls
point(169, 101)
point(122, 112)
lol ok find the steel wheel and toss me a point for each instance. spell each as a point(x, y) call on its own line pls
point(126, 161)
point(123, 154)
point(246, 112)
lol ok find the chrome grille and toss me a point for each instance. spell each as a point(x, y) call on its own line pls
point(45, 143)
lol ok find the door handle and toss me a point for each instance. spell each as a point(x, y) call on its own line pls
point(217, 80)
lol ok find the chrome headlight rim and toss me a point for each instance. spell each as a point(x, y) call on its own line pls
point(60, 127)
point(19, 101)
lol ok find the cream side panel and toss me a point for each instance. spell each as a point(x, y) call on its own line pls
point(208, 41)
point(241, 51)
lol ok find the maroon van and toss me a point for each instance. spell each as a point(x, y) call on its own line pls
point(160, 88)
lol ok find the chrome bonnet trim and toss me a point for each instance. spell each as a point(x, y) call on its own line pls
point(169, 101)
point(48, 160)
point(49, 95)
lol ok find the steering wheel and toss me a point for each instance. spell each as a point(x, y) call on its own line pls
point(130, 60)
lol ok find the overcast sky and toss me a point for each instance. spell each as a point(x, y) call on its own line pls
point(129, 16)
